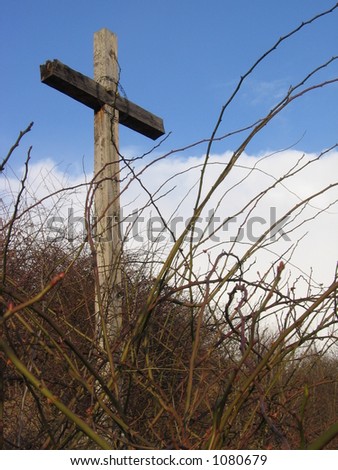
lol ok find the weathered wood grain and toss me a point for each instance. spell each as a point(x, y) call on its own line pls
point(107, 192)
point(92, 94)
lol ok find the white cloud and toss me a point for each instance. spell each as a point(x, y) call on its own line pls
point(318, 250)
point(176, 198)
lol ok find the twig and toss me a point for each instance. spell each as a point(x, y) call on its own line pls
point(22, 133)
point(13, 219)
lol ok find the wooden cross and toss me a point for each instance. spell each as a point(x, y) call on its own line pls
point(101, 94)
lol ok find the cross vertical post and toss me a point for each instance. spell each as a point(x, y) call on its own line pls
point(107, 192)
point(101, 95)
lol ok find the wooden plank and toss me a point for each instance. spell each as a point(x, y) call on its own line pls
point(107, 192)
point(92, 94)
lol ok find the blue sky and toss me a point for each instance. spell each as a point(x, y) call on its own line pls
point(179, 58)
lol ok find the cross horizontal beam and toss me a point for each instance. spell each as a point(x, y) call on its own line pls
point(92, 94)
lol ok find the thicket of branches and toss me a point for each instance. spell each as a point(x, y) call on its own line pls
point(208, 358)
